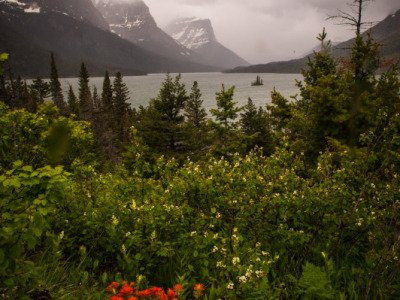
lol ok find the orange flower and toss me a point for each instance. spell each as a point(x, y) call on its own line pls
point(116, 298)
point(112, 287)
point(178, 288)
point(126, 290)
point(198, 287)
point(198, 290)
point(132, 298)
point(162, 296)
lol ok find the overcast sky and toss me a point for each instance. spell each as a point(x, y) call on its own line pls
point(267, 30)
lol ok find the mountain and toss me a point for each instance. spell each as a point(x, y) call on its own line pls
point(133, 22)
point(198, 35)
point(386, 33)
point(30, 30)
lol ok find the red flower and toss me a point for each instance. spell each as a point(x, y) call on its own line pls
point(126, 290)
point(171, 294)
point(145, 293)
point(112, 287)
point(156, 291)
point(162, 296)
point(132, 298)
point(116, 298)
point(178, 288)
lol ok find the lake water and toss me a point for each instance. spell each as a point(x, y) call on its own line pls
point(144, 88)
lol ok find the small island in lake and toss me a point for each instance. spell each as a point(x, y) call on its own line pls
point(258, 82)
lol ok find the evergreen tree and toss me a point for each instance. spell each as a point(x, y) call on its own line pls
point(161, 123)
point(227, 111)
point(194, 111)
point(73, 104)
point(55, 86)
point(41, 87)
point(85, 97)
point(96, 100)
point(279, 111)
point(255, 127)
point(107, 98)
point(121, 107)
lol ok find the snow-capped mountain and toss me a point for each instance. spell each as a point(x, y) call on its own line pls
point(134, 22)
point(192, 32)
point(198, 35)
point(75, 31)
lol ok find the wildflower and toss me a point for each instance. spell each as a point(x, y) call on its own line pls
point(198, 290)
point(193, 233)
point(126, 290)
point(116, 298)
point(132, 298)
point(230, 286)
point(215, 249)
point(235, 260)
point(144, 294)
point(178, 288)
point(171, 294)
point(112, 287)
point(156, 291)
point(242, 279)
point(259, 274)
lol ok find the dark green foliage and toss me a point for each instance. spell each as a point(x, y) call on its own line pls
point(107, 99)
point(121, 107)
point(55, 86)
point(73, 104)
point(96, 100)
point(161, 124)
point(255, 127)
point(194, 112)
point(227, 111)
point(41, 88)
point(85, 96)
point(279, 111)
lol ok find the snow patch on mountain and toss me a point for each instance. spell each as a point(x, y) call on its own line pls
point(193, 33)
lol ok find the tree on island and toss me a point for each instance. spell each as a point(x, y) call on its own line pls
point(258, 82)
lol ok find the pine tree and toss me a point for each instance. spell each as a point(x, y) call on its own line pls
point(85, 97)
point(255, 128)
point(279, 111)
point(55, 86)
point(96, 100)
point(227, 111)
point(41, 87)
point(161, 124)
point(194, 112)
point(73, 104)
point(107, 98)
point(121, 107)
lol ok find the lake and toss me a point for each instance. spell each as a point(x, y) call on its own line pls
point(144, 88)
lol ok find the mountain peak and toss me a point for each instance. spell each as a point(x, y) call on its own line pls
point(192, 32)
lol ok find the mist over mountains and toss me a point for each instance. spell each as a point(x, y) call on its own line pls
point(386, 33)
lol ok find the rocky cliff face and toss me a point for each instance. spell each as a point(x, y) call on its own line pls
point(198, 35)
point(134, 22)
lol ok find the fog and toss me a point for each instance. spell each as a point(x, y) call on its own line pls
point(268, 30)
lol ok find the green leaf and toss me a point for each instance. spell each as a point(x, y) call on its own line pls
point(4, 56)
